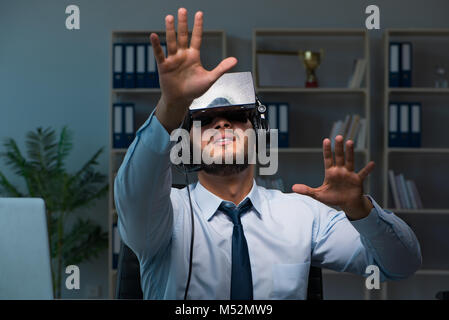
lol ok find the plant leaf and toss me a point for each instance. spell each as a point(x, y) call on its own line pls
point(84, 242)
point(42, 148)
point(8, 187)
point(64, 146)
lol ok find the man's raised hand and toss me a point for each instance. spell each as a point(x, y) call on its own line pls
point(181, 75)
point(342, 186)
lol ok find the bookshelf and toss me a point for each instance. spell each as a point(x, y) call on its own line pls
point(315, 109)
point(213, 50)
point(426, 165)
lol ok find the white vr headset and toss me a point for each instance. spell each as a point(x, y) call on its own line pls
point(232, 90)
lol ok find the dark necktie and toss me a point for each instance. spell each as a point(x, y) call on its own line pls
point(241, 279)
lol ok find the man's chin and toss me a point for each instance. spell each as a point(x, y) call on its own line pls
point(224, 169)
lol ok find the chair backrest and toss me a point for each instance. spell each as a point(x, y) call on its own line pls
point(315, 287)
point(128, 275)
point(128, 279)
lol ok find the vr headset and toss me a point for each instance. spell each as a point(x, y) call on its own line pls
point(232, 96)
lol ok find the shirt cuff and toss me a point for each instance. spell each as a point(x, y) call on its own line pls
point(154, 136)
point(374, 223)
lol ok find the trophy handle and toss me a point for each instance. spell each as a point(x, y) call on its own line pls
point(321, 53)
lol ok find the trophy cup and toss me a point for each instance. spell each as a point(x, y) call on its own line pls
point(311, 61)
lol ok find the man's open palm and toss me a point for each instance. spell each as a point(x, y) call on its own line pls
point(342, 186)
point(181, 74)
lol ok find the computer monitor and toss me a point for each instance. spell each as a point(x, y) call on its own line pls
point(25, 269)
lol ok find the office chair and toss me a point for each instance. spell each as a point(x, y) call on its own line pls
point(128, 276)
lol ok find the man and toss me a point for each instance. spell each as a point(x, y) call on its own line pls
point(264, 247)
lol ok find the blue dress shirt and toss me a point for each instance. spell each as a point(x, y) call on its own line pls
point(286, 232)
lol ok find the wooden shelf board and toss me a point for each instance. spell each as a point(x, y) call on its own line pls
point(310, 150)
point(418, 150)
point(417, 32)
point(422, 272)
point(420, 211)
point(136, 90)
point(131, 33)
point(280, 150)
point(310, 90)
point(432, 272)
point(309, 32)
point(415, 90)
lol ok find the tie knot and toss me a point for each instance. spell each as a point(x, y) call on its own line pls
point(235, 212)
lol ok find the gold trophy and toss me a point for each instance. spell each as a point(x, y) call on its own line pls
point(311, 62)
point(310, 59)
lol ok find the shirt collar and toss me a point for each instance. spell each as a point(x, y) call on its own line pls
point(209, 202)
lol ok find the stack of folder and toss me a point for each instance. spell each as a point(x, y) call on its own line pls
point(404, 127)
point(123, 125)
point(400, 64)
point(405, 193)
point(278, 119)
point(134, 65)
point(352, 128)
point(358, 74)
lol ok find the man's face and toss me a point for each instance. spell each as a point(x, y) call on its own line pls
point(228, 136)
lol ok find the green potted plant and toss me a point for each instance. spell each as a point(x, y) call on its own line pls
point(46, 177)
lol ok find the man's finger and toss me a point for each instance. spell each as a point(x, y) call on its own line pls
point(350, 155)
point(183, 33)
point(303, 189)
point(157, 49)
point(339, 155)
point(197, 32)
point(327, 154)
point(170, 35)
point(223, 67)
point(366, 170)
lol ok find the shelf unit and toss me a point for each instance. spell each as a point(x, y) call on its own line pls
point(213, 50)
point(336, 93)
point(312, 152)
point(418, 273)
point(422, 41)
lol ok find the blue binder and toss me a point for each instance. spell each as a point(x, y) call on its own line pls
point(128, 128)
point(151, 70)
point(130, 65)
point(118, 136)
point(415, 125)
point(283, 125)
point(404, 124)
point(117, 65)
point(123, 125)
point(394, 64)
point(140, 65)
point(406, 64)
point(393, 125)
